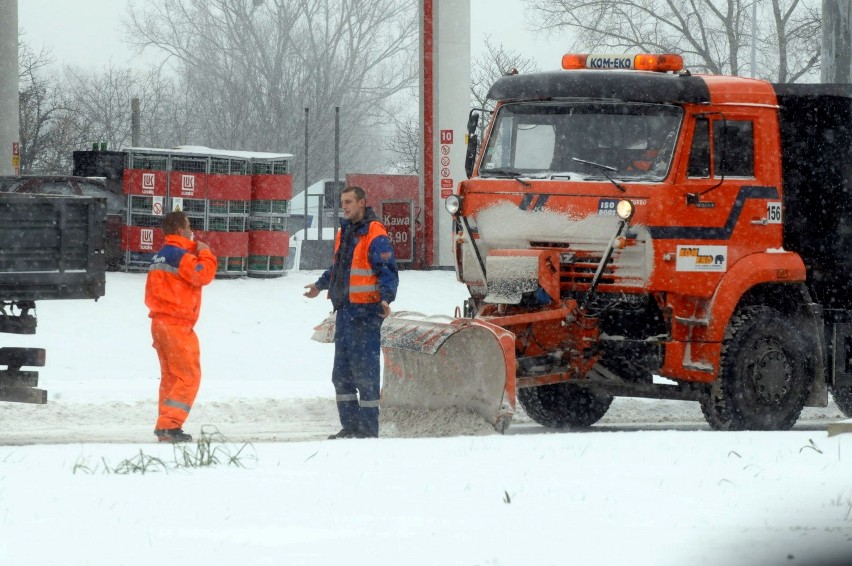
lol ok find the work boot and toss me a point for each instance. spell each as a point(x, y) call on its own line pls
point(346, 433)
point(172, 435)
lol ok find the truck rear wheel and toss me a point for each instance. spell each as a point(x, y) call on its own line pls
point(563, 404)
point(843, 397)
point(763, 380)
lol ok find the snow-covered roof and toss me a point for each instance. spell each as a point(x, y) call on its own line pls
point(203, 151)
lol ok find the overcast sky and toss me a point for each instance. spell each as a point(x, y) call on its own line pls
point(87, 33)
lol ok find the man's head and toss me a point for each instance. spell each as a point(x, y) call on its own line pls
point(353, 201)
point(177, 223)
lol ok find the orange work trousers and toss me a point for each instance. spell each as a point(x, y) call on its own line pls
point(180, 369)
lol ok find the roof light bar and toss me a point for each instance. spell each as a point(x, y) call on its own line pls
point(642, 62)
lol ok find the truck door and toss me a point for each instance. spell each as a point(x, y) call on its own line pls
point(728, 201)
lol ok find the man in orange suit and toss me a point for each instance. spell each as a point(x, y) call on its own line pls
point(173, 295)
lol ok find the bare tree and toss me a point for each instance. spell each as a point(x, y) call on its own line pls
point(250, 69)
point(714, 36)
point(38, 106)
point(404, 145)
point(495, 62)
point(102, 102)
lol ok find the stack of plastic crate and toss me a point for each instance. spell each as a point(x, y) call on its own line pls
point(271, 192)
point(228, 198)
point(145, 184)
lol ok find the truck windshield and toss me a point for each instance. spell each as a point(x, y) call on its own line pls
point(582, 140)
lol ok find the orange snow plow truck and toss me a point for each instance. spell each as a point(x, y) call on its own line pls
point(626, 219)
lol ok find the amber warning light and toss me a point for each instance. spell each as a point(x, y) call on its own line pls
point(641, 62)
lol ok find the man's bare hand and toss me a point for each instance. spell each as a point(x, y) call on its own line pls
point(201, 246)
point(386, 310)
point(312, 291)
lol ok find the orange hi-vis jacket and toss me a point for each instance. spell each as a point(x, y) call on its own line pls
point(363, 281)
point(175, 278)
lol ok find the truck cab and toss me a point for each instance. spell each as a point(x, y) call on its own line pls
point(625, 218)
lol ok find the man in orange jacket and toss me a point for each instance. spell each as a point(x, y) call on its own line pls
point(173, 295)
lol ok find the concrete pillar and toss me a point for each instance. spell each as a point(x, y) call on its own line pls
point(445, 103)
point(9, 120)
point(836, 41)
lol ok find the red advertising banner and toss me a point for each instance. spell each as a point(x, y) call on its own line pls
point(144, 182)
point(141, 239)
point(398, 218)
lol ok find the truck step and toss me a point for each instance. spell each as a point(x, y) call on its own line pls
point(18, 378)
point(17, 357)
point(692, 321)
point(16, 394)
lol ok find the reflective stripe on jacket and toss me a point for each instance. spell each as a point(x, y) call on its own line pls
point(175, 278)
point(363, 282)
point(363, 258)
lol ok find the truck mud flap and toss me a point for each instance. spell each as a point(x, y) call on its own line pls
point(440, 363)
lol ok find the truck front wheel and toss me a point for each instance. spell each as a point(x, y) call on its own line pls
point(764, 379)
point(563, 404)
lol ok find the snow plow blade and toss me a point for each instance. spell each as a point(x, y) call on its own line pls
point(439, 362)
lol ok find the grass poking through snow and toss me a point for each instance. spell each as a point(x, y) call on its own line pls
point(212, 448)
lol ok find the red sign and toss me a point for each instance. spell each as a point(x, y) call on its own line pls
point(398, 218)
point(16, 148)
point(446, 183)
point(141, 239)
point(446, 136)
point(446, 192)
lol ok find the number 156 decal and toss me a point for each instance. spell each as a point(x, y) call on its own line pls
point(773, 213)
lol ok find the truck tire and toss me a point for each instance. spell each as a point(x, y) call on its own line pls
point(763, 379)
point(843, 398)
point(563, 405)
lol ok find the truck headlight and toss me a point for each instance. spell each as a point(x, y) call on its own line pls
point(625, 209)
point(453, 204)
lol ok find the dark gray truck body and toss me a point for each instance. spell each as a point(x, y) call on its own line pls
point(51, 247)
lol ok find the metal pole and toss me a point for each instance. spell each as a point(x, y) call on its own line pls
point(836, 64)
point(753, 37)
point(306, 173)
point(135, 122)
point(10, 132)
point(336, 162)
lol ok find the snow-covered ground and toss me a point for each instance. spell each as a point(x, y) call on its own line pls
point(648, 485)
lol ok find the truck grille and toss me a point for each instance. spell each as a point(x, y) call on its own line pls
point(579, 262)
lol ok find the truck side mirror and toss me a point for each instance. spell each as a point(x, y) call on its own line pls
point(470, 156)
point(472, 143)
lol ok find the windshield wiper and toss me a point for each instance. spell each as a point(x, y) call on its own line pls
point(516, 175)
point(604, 169)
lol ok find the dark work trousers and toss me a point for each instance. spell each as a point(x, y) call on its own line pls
point(357, 335)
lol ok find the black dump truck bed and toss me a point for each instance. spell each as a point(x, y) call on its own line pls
point(815, 121)
point(51, 247)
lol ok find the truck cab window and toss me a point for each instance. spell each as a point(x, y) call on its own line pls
point(534, 143)
point(733, 148)
point(553, 138)
point(699, 153)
